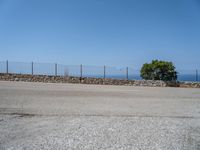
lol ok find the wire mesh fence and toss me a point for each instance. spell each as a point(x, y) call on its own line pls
point(68, 70)
point(54, 69)
point(43, 69)
point(19, 67)
point(2, 66)
point(92, 71)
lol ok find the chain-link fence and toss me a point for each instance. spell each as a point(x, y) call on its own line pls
point(55, 69)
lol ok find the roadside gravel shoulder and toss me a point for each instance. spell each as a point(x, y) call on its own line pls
point(92, 132)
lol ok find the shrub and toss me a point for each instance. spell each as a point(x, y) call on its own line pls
point(158, 70)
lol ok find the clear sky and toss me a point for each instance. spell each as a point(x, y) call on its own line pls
point(98, 32)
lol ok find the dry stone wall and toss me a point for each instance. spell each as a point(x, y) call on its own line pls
point(61, 79)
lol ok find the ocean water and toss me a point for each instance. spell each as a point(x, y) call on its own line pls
point(189, 77)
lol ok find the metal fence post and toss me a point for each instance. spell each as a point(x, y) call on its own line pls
point(81, 70)
point(32, 68)
point(55, 69)
point(7, 66)
point(104, 72)
point(127, 73)
point(197, 75)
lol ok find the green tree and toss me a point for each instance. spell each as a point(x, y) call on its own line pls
point(158, 70)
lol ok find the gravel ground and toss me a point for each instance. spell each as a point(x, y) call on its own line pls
point(99, 133)
point(73, 116)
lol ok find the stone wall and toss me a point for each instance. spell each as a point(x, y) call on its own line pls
point(61, 79)
point(189, 84)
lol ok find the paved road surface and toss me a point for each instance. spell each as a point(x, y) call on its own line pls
point(74, 116)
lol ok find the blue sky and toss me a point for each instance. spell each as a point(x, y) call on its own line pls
point(98, 32)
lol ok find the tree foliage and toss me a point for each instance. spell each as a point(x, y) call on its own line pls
point(158, 70)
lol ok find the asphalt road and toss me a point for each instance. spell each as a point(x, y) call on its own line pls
point(76, 116)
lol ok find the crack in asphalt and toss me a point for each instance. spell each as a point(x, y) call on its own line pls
point(98, 115)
